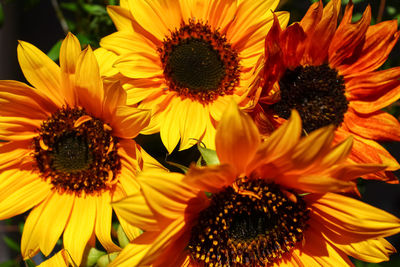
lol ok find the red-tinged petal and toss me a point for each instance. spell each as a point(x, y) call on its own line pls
point(41, 72)
point(239, 148)
point(316, 51)
point(379, 125)
point(312, 17)
point(69, 54)
point(210, 178)
point(379, 42)
point(348, 36)
point(291, 42)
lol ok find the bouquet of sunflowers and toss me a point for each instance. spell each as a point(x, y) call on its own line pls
point(204, 133)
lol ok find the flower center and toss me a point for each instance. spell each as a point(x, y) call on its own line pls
point(77, 152)
point(316, 92)
point(253, 229)
point(199, 63)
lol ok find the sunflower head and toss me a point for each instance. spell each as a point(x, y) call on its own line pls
point(328, 73)
point(252, 209)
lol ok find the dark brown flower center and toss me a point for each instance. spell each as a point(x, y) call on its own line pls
point(316, 92)
point(199, 63)
point(254, 229)
point(77, 152)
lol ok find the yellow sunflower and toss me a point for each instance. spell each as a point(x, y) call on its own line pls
point(68, 150)
point(187, 59)
point(329, 74)
point(273, 203)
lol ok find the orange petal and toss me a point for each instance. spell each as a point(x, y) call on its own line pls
point(348, 36)
point(239, 148)
point(379, 125)
point(129, 121)
point(210, 178)
point(121, 17)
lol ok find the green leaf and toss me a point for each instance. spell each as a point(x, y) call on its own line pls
point(95, 10)
point(106, 259)
point(180, 166)
point(11, 244)
point(391, 10)
point(83, 39)
point(54, 52)
point(30, 263)
point(209, 156)
point(9, 263)
point(93, 256)
point(69, 6)
point(122, 238)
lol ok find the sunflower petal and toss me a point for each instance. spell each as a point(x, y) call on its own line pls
point(40, 71)
point(130, 121)
point(81, 221)
point(239, 148)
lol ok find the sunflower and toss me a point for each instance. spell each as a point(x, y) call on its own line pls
point(186, 60)
point(329, 74)
point(272, 203)
point(68, 152)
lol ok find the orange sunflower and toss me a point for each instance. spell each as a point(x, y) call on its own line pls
point(68, 150)
point(329, 74)
point(185, 60)
point(272, 203)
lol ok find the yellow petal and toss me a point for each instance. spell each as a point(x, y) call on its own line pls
point(106, 60)
point(103, 222)
point(53, 220)
point(338, 153)
point(89, 86)
point(371, 250)
point(80, 227)
point(121, 17)
point(69, 54)
point(40, 71)
point(135, 210)
point(140, 65)
point(21, 194)
point(351, 217)
point(130, 121)
point(192, 122)
point(169, 132)
point(60, 259)
point(237, 138)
